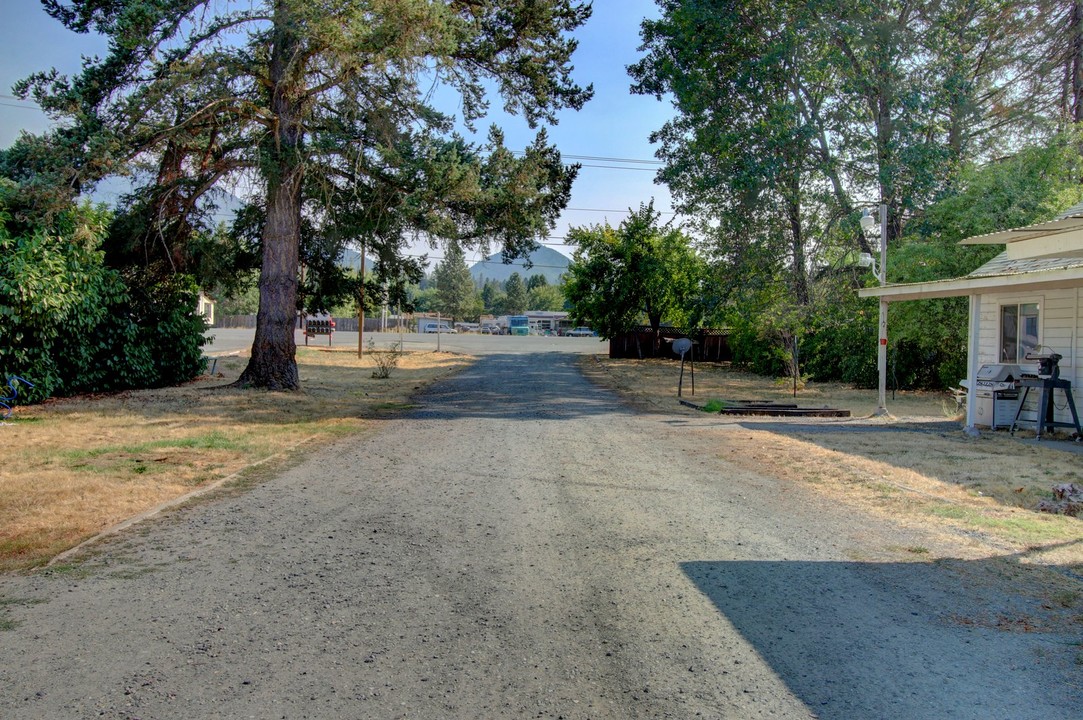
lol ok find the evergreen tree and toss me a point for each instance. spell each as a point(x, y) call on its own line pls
point(492, 297)
point(327, 104)
point(515, 295)
point(455, 291)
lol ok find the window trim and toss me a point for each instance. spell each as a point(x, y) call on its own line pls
point(1017, 303)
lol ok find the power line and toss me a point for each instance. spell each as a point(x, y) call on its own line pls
point(476, 263)
point(600, 158)
point(618, 167)
point(625, 211)
point(535, 265)
point(613, 159)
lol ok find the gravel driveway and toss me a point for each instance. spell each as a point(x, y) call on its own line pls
point(522, 546)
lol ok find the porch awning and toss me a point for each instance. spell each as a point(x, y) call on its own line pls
point(1064, 277)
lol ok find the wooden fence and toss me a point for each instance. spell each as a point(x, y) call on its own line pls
point(342, 324)
point(712, 344)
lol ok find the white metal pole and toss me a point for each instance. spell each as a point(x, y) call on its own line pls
point(973, 343)
point(881, 348)
point(361, 307)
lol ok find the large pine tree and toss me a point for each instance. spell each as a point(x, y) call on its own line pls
point(455, 290)
point(327, 106)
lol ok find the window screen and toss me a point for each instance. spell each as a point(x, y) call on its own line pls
point(1019, 334)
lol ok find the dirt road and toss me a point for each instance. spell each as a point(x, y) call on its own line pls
point(522, 546)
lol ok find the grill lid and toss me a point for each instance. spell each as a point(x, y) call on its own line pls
point(999, 373)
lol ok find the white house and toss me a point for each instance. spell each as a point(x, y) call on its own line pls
point(1027, 299)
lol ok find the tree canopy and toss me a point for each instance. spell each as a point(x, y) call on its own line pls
point(791, 117)
point(516, 296)
point(637, 271)
point(327, 110)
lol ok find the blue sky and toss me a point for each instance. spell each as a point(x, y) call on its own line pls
point(615, 124)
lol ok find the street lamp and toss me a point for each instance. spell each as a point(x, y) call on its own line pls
point(867, 260)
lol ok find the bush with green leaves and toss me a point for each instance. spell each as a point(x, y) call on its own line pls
point(68, 324)
point(54, 292)
point(753, 351)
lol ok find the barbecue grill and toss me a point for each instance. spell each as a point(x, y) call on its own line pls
point(996, 389)
point(1048, 381)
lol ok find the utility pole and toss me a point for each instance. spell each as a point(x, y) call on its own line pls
point(361, 308)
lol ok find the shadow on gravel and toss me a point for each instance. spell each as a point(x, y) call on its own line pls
point(935, 427)
point(858, 640)
point(518, 387)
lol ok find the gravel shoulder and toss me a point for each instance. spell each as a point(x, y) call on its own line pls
point(523, 545)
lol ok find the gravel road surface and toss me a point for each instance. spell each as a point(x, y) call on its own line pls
point(521, 546)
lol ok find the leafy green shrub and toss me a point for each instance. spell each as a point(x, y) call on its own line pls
point(54, 292)
point(69, 324)
point(169, 330)
point(756, 353)
point(843, 349)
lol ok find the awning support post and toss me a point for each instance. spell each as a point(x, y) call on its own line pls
point(973, 343)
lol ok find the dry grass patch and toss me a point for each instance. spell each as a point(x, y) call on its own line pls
point(914, 467)
point(71, 468)
point(653, 383)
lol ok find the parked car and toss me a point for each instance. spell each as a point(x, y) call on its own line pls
point(439, 328)
point(581, 332)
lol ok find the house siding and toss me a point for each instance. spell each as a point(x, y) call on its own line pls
point(1078, 349)
point(1060, 330)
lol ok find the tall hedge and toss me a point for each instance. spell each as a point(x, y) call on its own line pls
point(68, 324)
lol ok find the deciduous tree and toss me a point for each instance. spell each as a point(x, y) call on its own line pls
point(546, 297)
point(640, 270)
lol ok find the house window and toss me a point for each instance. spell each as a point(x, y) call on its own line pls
point(1018, 331)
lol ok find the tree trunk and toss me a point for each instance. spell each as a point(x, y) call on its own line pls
point(655, 319)
point(797, 240)
point(273, 364)
point(1075, 38)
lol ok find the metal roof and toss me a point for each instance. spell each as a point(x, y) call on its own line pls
point(1069, 220)
point(1002, 273)
point(1042, 256)
point(1004, 265)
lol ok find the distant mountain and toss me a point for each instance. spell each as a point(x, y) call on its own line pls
point(349, 260)
point(545, 261)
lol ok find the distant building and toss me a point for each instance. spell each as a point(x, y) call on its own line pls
point(205, 307)
point(541, 322)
